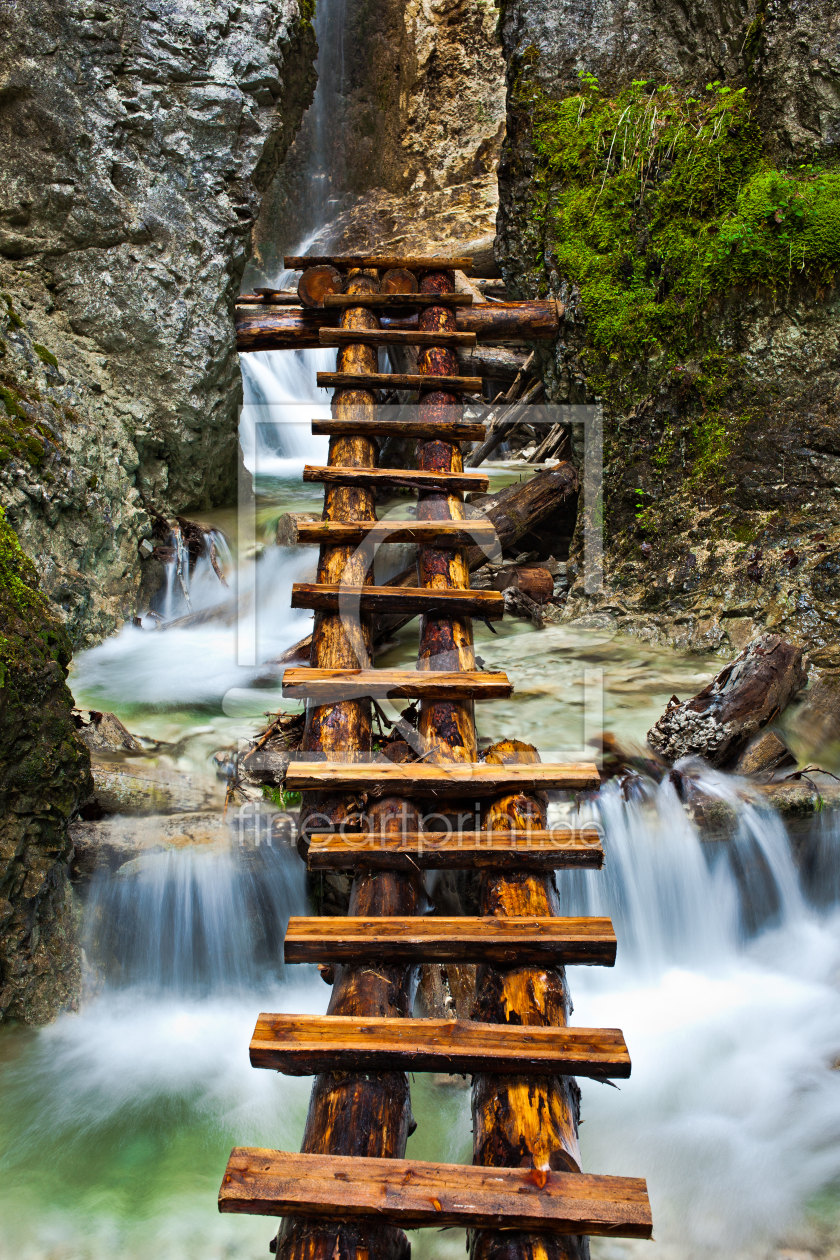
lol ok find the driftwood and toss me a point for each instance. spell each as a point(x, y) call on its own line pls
point(493, 362)
point(500, 428)
point(720, 720)
point(290, 328)
point(533, 580)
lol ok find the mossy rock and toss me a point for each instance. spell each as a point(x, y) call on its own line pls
point(44, 777)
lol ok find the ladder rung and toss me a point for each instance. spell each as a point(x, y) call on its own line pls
point(413, 1194)
point(303, 1045)
point(405, 600)
point(382, 262)
point(326, 685)
point(398, 299)
point(431, 533)
point(512, 942)
point(423, 778)
point(398, 380)
point(464, 850)
point(443, 430)
point(410, 478)
point(393, 337)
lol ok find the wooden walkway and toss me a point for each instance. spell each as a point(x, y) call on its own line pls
point(350, 1192)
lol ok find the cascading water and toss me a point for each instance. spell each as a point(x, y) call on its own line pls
point(726, 984)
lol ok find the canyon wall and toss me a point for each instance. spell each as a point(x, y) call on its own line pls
point(403, 146)
point(135, 143)
point(670, 172)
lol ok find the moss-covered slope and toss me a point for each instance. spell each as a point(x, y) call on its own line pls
point(44, 776)
point(694, 236)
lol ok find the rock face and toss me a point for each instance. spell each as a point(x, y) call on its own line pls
point(402, 145)
point(135, 141)
point(669, 172)
point(44, 777)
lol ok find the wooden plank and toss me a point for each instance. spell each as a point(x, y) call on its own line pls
point(431, 533)
point(328, 685)
point(406, 600)
point(395, 337)
point(301, 1045)
point(414, 1194)
point(418, 301)
point(436, 938)
point(409, 478)
point(398, 380)
point(443, 430)
point(423, 778)
point(461, 850)
point(381, 262)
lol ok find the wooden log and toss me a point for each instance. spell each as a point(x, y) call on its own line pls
point(379, 262)
point(416, 1194)
point(398, 301)
point(403, 380)
point(410, 478)
point(334, 684)
point(398, 280)
point(520, 1120)
point(300, 1045)
point(299, 329)
point(492, 362)
point(444, 430)
point(748, 693)
point(398, 337)
point(531, 850)
point(444, 779)
point(330, 596)
point(508, 941)
point(533, 580)
point(510, 418)
point(316, 283)
point(437, 533)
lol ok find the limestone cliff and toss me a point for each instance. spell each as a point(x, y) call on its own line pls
point(671, 173)
point(135, 142)
point(44, 777)
point(402, 147)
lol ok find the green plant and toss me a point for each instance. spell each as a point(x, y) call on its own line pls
point(45, 355)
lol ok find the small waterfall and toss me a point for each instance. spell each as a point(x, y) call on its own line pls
point(189, 923)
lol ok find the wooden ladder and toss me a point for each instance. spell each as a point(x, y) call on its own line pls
point(350, 1193)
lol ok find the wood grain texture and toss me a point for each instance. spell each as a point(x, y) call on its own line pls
point(509, 941)
point(296, 328)
point(395, 599)
point(402, 301)
point(537, 850)
point(300, 1045)
point(402, 380)
point(423, 778)
point(453, 431)
point(397, 337)
point(379, 262)
point(414, 1194)
point(410, 478)
point(335, 684)
point(434, 533)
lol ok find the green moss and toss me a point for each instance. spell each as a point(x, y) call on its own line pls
point(14, 319)
point(11, 400)
point(45, 355)
point(653, 203)
point(19, 594)
point(280, 798)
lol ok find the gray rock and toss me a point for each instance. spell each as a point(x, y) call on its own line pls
point(135, 143)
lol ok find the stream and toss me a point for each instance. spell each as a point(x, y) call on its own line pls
point(117, 1120)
